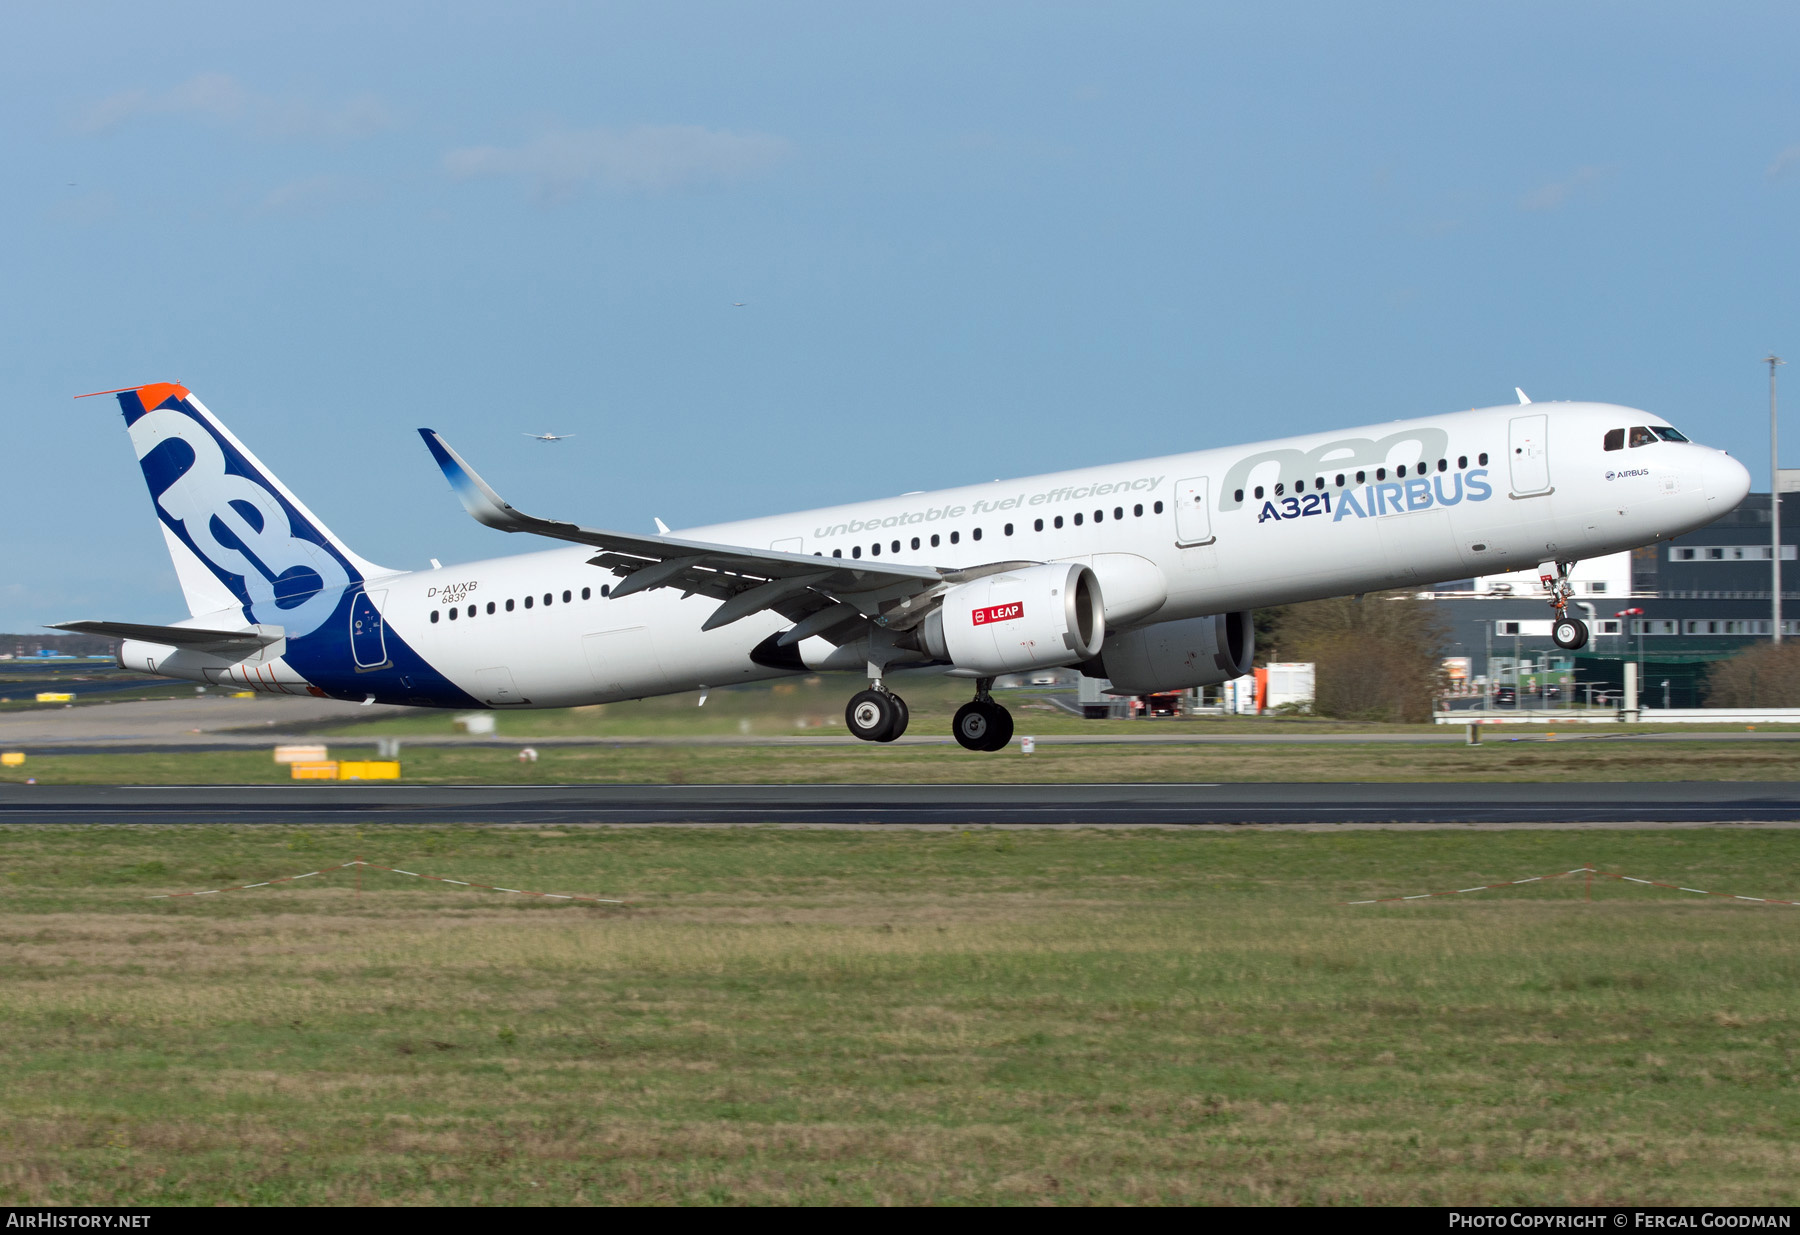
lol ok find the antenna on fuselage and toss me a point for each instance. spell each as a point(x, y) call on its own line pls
point(1523, 397)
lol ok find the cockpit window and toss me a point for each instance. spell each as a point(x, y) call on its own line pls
point(1667, 434)
point(1641, 436)
point(1615, 439)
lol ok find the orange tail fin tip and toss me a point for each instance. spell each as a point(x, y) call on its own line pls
point(152, 396)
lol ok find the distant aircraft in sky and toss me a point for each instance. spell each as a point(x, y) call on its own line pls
point(549, 437)
point(1142, 573)
point(738, 304)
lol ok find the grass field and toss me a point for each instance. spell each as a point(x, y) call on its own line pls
point(1497, 759)
point(895, 1016)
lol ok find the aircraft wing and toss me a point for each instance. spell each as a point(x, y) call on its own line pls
point(217, 642)
point(801, 587)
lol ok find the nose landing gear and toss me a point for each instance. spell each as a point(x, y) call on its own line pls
point(1568, 633)
point(982, 724)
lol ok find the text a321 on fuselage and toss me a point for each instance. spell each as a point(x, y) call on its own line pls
point(1143, 572)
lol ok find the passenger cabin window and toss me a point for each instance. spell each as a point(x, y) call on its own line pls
point(915, 542)
point(434, 615)
point(1482, 458)
point(528, 602)
point(509, 605)
point(955, 536)
point(1157, 508)
point(1641, 436)
point(934, 540)
point(1614, 439)
point(1058, 521)
point(1038, 525)
point(490, 606)
point(977, 533)
point(1401, 471)
point(1462, 461)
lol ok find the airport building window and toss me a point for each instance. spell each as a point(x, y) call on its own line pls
point(1157, 508)
point(434, 615)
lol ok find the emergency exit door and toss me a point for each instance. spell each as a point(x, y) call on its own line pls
point(1193, 516)
point(1528, 444)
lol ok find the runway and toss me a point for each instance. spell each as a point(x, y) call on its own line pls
point(1683, 803)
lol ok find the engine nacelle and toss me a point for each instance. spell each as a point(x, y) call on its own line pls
point(1201, 651)
point(1029, 618)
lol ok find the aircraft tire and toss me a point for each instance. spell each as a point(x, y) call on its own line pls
point(871, 714)
point(982, 725)
point(1569, 633)
point(1001, 731)
point(901, 717)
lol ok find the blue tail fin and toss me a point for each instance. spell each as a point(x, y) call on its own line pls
point(239, 538)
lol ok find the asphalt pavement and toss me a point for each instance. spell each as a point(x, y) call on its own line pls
point(1681, 803)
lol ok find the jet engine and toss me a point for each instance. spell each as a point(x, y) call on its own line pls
point(1031, 617)
point(1201, 651)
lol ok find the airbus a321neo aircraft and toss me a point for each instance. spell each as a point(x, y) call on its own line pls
point(1141, 572)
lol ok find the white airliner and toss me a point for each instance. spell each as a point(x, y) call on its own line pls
point(1142, 572)
point(548, 437)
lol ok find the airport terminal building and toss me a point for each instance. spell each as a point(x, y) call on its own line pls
point(1700, 598)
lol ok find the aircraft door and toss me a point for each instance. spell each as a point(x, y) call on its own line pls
point(1528, 445)
point(368, 635)
point(496, 685)
point(1193, 516)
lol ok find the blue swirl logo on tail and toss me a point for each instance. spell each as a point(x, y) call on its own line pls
point(218, 503)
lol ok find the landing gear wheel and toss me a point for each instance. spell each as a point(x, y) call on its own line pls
point(982, 725)
point(901, 717)
point(1569, 633)
point(872, 716)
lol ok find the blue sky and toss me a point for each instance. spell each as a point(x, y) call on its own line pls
point(973, 241)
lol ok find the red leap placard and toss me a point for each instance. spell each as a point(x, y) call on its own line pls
point(997, 613)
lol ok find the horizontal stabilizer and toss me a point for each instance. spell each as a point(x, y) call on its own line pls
point(217, 642)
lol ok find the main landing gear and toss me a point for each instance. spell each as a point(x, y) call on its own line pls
point(875, 715)
point(982, 724)
point(1568, 633)
point(879, 715)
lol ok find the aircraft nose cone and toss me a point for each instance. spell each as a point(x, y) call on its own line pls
point(1725, 479)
